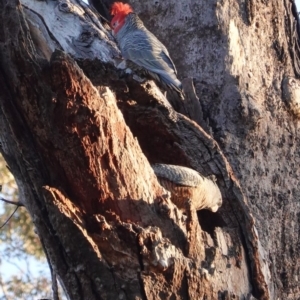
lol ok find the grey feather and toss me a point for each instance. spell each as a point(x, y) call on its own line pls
point(177, 174)
point(139, 45)
point(186, 184)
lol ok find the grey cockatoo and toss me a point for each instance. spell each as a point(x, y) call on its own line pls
point(140, 46)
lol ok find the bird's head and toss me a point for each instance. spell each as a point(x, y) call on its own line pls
point(119, 11)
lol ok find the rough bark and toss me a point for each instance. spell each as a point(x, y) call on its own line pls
point(79, 136)
point(244, 58)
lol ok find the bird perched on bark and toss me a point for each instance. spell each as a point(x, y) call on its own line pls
point(140, 46)
point(186, 184)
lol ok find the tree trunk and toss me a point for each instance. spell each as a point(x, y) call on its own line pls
point(79, 136)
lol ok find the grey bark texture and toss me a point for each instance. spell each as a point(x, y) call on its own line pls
point(244, 58)
point(79, 135)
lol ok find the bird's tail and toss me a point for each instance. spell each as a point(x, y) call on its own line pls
point(168, 82)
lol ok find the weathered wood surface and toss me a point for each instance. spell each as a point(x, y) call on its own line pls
point(239, 54)
point(108, 228)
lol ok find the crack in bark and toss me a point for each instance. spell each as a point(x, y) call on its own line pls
point(45, 25)
point(293, 28)
point(142, 289)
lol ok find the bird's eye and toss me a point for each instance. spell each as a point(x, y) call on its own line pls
point(114, 24)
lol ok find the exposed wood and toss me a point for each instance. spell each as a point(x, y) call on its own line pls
point(79, 135)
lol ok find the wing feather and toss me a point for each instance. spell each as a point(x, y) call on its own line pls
point(146, 50)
